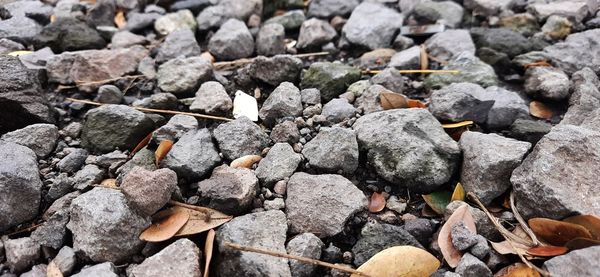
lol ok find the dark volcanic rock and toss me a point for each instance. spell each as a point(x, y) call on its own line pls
point(69, 34)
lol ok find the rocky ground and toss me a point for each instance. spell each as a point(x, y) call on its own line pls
point(527, 79)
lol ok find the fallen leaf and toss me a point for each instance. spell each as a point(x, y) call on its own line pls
point(202, 219)
point(539, 110)
point(547, 251)
point(208, 56)
point(245, 161)
point(590, 222)
point(245, 105)
point(405, 261)
point(517, 270)
point(208, 249)
point(416, 104)
point(141, 144)
point(163, 149)
point(120, 20)
point(459, 193)
point(538, 63)
point(19, 53)
point(377, 202)
point(109, 183)
point(391, 100)
point(462, 214)
point(423, 58)
point(438, 200)
point(53, 271)
point(579, 243)
point(165, 224)
point(457, 125)
point(557, 232)
point(505, 248)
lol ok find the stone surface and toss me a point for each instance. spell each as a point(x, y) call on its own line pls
point(148, 191)
point(315, 33)
point(470, 266)
point(529, 130)
point(503, 40)
point(331, 8)
point(584, 103)
point(449, 44)
point(372, 25)
point(369, 100)
point(546, 83)
point(180, 258)
point(331, 79)
point(488, 7)
point(232, 41)
point(280, 163)
point(170, 22)
point(508, 107)
point(163, 100)
point(65, 260)
point(109, 94)
point(106, 269)
point(21, 253)
point(212, 98)
point(462, 237)
point(389, 78)
point(126, 39)
point(214, 16)
point(332, 150)
point(304, 245)
point(580, 262)
point(286, 131)
point(270, 40)
point(193, 156)
point(277, 69)
point(460, 101)
point(284, 101)
point(338, 110)
point(229, 190)
point(290, 20)
point(375, 237)
point(577, 9)
point(69, 34)
point(240, 137)
point(180, 42)
point(41, 138)
point(182, 76)
point(73, 161)
point(52, 233)
point(447, 12)
point(406, 59)
point(472, 70)
point(578, 51)
point(175, 128)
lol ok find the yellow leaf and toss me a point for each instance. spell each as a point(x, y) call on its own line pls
point(165, 225)
point(53, 271)
point(457, 125)
point(245, 161)
point(163, 149)
point(208, 249)
point(458, 194)
point(405, 261)
point(19, 53)
point(451, 254)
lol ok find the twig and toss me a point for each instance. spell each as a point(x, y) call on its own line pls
point(247, 61)
point(293, 257)
point(204, 116)
point(100, 82)
point(410, 71)
point(521, 221)
point(196, 208)
point(30, 228)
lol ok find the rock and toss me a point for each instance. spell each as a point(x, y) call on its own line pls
point(107, 269)
point(53, 232)
point(20, 28)
point(449, 44)
point(212, 98)
point(163, 100)
point(331, 79)
point(470, 266)
point(286, 132)
point(420, 228)
point(109, 94)
point(86, 177)
point(577, 9)
point(304, 245)
point(266, 230)
point(102, 13)
point(503, 40)
point(270, 40)
point(338, 110)
point(181, 76)
point(232, 41)
point(284, 101)
point(104, 228)
point(21, 253)
point(193, 5)
point(369, 101)
point(290, 20)
point(376, 58)
point(193, 156)
point(488, 7)
point(215, 16)
point(181, 256)
point(524, 23)
point(481, 249)
point(508, 107)
point(578, 51)
point(472, 70)
point(275, 204)
point(402, 43)
point(139, 21)
point(7, 46)
point(482, 223)
point(390, 79)
point(557, 27)
point(277, 69)
point(529, 130)
point(280, 163)
point(333, 150)
point(180, 42)
point(170, 22)
point(375, 237)
point(331, 8)
point(310, 96)
point(20, 185)
point(148, 191)
point(406, 59)
point(388, 150)
point(551, 168)
point(372, 25)
point(65, 260)
point(321, 204)
point(73, 161)
point(177, 126)
point(315, 33)
point(447, 12)
point(584, 103)
point(125, 39)
point(460, 101)
point(580, 262)
point(240, 137)
point(462, 237)
point(21, 97)
point(147, 67)
point(33, 9)
point(36, 271)
point(68, 34)
point(143, 158)
point(114, 126)
point(547, 83)
point(41, 138)
point(229, 190)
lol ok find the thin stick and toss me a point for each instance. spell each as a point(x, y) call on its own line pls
point(100, 82)
point(410, 71)
point(204, 116)
point(30, 228)
point(521, 221)
point(196, 208)
point(292, 257)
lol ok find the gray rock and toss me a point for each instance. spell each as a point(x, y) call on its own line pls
point(163, 100)
point(338, 110)
point(69, 34)
point(472, 70)
point(565, 154)
point(460, 101)
point(73, 161)
point(449, 44)
point(390, 152)
point(315, 33)
point(212, 98)
point(109, 94)
point(503, 40)
point(291, 20)
point(448, 12)
point(270, 40)
point(61, 205)
point(21, 253)
point(578, 51)
point(284, 101)
point(114, 126)
point(175, 128)
point(138, 21)
point(65, 260)
point(576, 9)
point(143, 158)
point(488, 7)
point(32, 9)
point(38, 270)
point(330, 8)
point(148, 191)
point(180, 42)
point(389, 78)
point(529, 130)
point(375, 237)
point(280, 163)
point(581, 262)
point(107, 269)
point(41, 138)
point(508, 107)
point(182, 76)
point(240, 137)
point(470, 266)
point(215, 16)
point(482, 223)
point(557, 27)
point(104, 228)
point(304, 245)
point(481, 249)
point(488, 161)
point(193, 5)
point(170, 22)
point(53, 232)
point(181, 256)
point(310, 96)
point(7, 46)
point(406, 59)
point(286, 131)
point(102, 13)
point(420, 228)
point(86, 177)
point(229, 190)
point(147, 67)
point(277, 69)
point(321, 204)
point(232, 41)
point(124, 39)
point(332, 150)
point(369, 101)
point(275, 204)
point(20, 28)
point(372, 25)
point(266, 230)
point(462, 237)
point(20, 185)
point(193, 156)
point(331, 79)
point(547, 83)
point(584, 103)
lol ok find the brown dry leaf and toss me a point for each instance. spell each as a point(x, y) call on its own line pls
point(120, 20)
point(109, 183)
point(547, 251)
point(245, 161)
point(517, 270)
point(377, 202)
point(163, 149)
point(53, 271)
point(462, 214)
point(505, 248)
point(539, 110)
point(405, 261)
point(457, 125)
point(202, 219)
point(208, 249)
point(423, 57)
point(557, 232)
point(579, 243)
point(416, 104)
point(391, 100)
point(590, 222)
point(141, 144)
point(165, 225)
point(459, 193)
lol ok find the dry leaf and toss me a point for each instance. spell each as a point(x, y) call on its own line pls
point(208, 56)
point(120, 20)
point(423, 57)
point(163, 149)
point(19, 53)
point(579, 243)
point(165, 225)
point(245, 105)
point(391, 100)
point(459, 193)
point(141, 144)
point(457, 125)
point(416, 104)
point(245, 161)
point(590, 222)
point(462, 214)
point(517, 270)
point(208, 249)
point(438, 200)
point(539, 110)
point(377, 202)
point(547, 251)
point(109, 183)
point(405, 261)
point(505, 248)
point(53, 271)
point(557, 232)
point(538, 63)
point(202, 219)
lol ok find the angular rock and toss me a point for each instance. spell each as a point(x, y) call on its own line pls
point(577, 9)
point(449, 44)
point(584, 103)
point(291, 20)
point(331, 8)
point(270, 40)
point(109, 94)
point(277, 69)
point(41, 138)
point(331, 79)
point(376, 58)
point(180, 258)
point(372, 25)
point(508, 107)
point(470, 266)
point(460, 101)
point(472, 70)
point(139, 21)
point(304, 245)
point(180, 42)
point(193, 156)
point(73, 161)
point(529, 130)
point(229, 190)
point(332, 150)
point(7, 46)
point(447, 12)
point(240, 137)
point(338, 110)
point(181, 76)
point(369, 100)
point(420, 228)
point(86, 177)
point(315, 33)
point(175, 128)
point(69, 34)
point(232, 41)
point(280, 163)
point(125, 39)
point(580, 262)
point(390, 79)
point(20, 28)
point(212, 98)
point(38, 270)
point(284, 101)
point(53, 232)
point(163, 100)
point(578, 51)
point(144, 158)
point(65, 260)
point(375, 237)
point(488, 7)
point(172, 21)
point(107, 269)
point(102, 13)
point(547, 83)
point(286, 131)
point(217, 15)
point(148, 191)
point(462, 237)
point(21, 253)
point(503, 40)
point(407, 59)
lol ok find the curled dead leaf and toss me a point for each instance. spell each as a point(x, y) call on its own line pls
point(141, 144)
point(556, 232)
point(405, 261)
point(547, 251)
point(163, 149)
point(208, 249)
point(451, 254)
point(539, 110)
point(391, 100)
point(201, 219)
point(590, 222)
point(377, 202)
point(416, 104)
point(165, 225)
point(459, 193)
point(517, 270)
point(245, 161)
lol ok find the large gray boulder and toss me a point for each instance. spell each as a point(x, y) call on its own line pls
point(193, 156)
point(241, 137)
point(372, 25)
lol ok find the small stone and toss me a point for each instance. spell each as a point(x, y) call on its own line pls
point(488, 7)
point(447, 12)
point(86, 177)
point(471, 68)
point(286, 131)
point(576, 52)
point(284, 101)
point(125, 39)
point(315, 33)
point(375, 237)
point(470, 266)
point(270, 40)
point(36, 271)
point(290, 20)
point(460, 101)
point(583, 104)
point(369, 100)
point(508, 107)
point(175, 128)
point(401, 42)
point(41, 138)
point(73, 161)
point(165, 101)
point(280, 187)
point(394, 204)
point(483, 225)
point(182, 76)
point(331, 79)
point(275, 204)
point(109, 94)
point(331, 8)
point(240, 137)
point(332, 150)
point(181, 256)
point(372, 25)
point(503, 40)
point(390, 79)
point(449, 44)
point(577, 9)
point(148, 191)
point(407, 59)
point(332, 253)
point(138, 21)
point(53, 232)
point(529, 130)
point(21, 253)
point(69, 34)
point(280, 163)
point(481, 249)
point(65, 260)
point(276, 70)
point(304, 245)
point(106, 269)
point(546, 83)
point(557, 27)
point(212, 98)
point(338, 110)
point(376, 58)
point(420, 228)
point(170, 22)
point(232, 41)
point(581, 262)
point(524, 23)
point(462, 237)
point(193, 156)
point(229, 190)
point(180, 42)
